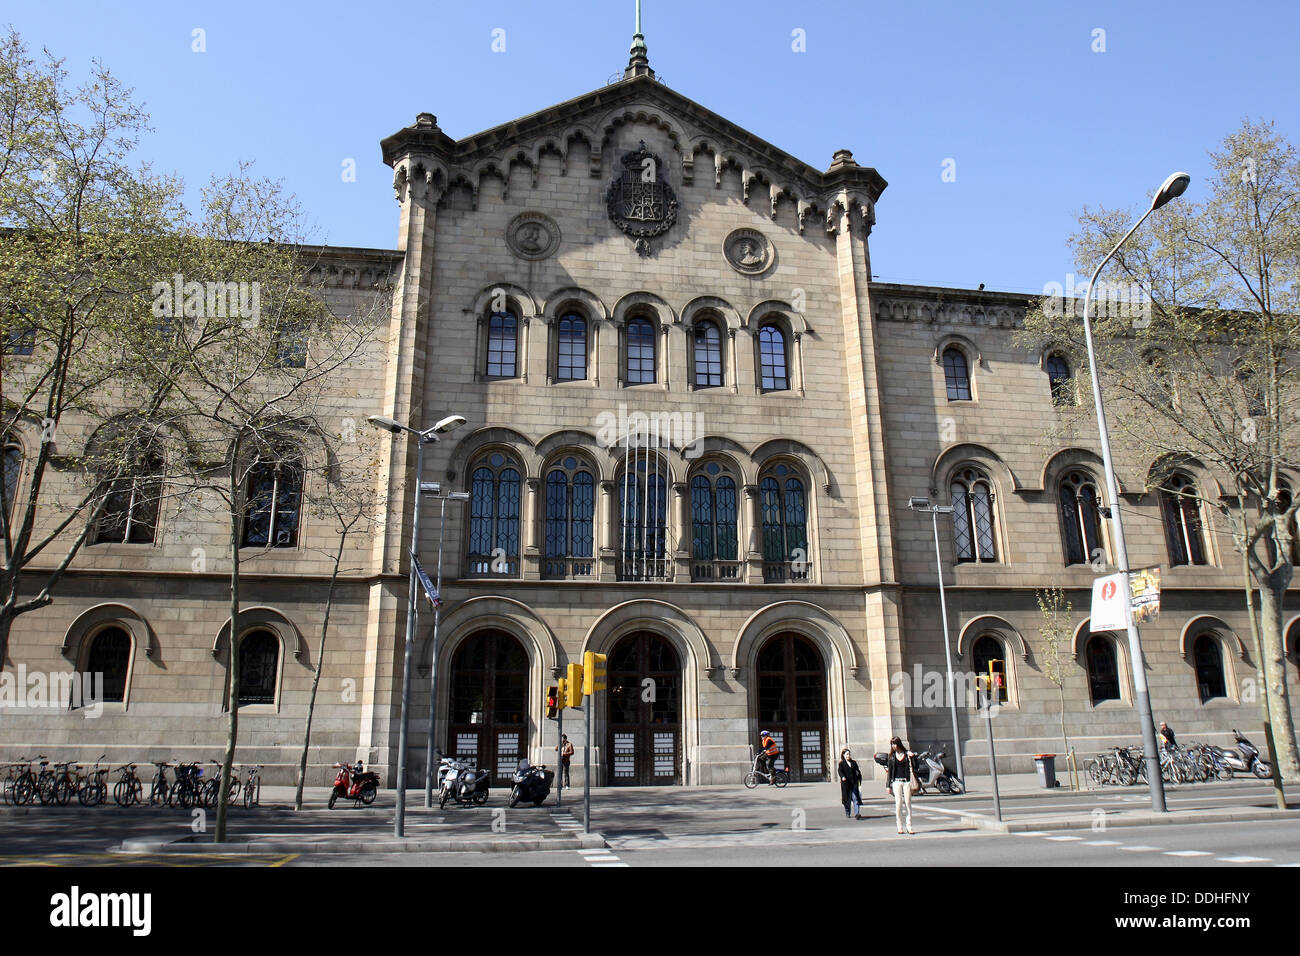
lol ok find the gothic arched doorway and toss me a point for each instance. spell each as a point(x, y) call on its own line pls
point(792, 703)
point(645, 711)
point(489, 702)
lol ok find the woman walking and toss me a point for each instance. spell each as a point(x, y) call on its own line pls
point(902, 771)
point(850, 781)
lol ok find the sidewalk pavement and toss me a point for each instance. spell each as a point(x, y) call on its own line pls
point(714, 815)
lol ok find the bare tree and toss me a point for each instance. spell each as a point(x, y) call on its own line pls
point(1055, 629)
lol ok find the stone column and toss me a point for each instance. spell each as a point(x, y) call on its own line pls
point(754, 550)
point(682, 518)
point(531, 553)
point(606, 532)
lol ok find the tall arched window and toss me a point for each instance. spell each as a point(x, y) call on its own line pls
point(642, 520)
point(956, 374)
point(784, 509)
point(1102, 662)
point(570, 508)
point(986, 649)
point(110, 656)
point(773, 376)
point(1160, 386)
point(1208, 654)
point(1182, 514)
point(571, 355)
point(708, 355)
point(13, 470)
point(130, 512)
point(713, 525)
point(494, 517)
point(640, 352)
point(259, 666)
point(503, 345)
point(1060, 379)
point(972, 517)
point(274, 504)
point(1080, 517)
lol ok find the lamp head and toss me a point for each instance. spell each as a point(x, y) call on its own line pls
point(919, 504)
point(387, 424)
point(1171, 188)
point(450, 423)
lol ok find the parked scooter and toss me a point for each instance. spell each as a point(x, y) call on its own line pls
point(461, 781)
point(353, 781)
point(1245, 759)
point(931, 772)
point(531, 784)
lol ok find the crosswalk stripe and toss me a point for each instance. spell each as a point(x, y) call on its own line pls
point(1032, 833)
point(1188, 853)
point(1100, 843)
point(1140, 849)
point(1244, 859)
point(1064, 839)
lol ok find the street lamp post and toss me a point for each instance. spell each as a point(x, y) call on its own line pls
point(923, 505)
point(1171, 188)
point(422, 438)
point(433, 653)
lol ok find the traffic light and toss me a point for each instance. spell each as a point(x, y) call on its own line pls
point(593, 671)
point(562, 694)
point(552, 701)
point(573, 690)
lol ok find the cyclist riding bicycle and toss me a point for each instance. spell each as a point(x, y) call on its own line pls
point(768, 754)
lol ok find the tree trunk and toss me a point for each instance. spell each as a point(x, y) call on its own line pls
point(1273, 654)
point(315, 681)
point(232, 683)
point(1265, 705)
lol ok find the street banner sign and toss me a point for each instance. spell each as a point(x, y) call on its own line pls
point(430, 591)
point(1144, 585)
point(1108, 610)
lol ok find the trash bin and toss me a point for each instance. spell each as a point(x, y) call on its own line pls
point(1046, 764)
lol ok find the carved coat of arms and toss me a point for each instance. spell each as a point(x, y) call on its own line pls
point(640, 201)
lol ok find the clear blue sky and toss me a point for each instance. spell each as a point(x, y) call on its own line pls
point(1037, 123)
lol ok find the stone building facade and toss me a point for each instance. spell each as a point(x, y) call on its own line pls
point(693, 427)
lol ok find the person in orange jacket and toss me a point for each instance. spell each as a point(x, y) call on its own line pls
point(770, 751)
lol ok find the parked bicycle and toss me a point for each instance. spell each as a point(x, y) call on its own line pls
point(94, 789)
point(128, 789)
point(252, 786)
point(159, 790)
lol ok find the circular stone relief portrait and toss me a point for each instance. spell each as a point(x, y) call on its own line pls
point(532, 235)
point(748, 251)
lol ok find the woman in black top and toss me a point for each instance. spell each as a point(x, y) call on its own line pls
point(902, 770)
point(850, 781)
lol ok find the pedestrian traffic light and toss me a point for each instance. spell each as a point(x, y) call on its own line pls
point(573, 691)
point(593, 671)
point(552, 701)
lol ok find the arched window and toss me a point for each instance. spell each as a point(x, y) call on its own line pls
point(1060, 380)
point(989, 648)
point(714, 554)
point(640, 352)
point(130, 512)
point(642, 520)
point(494, 517)
point(274, 505)
point(110, 656)
point(1182, 514)
point(291, 344)
point(571, 348)
point(503, 345)
point(784, 509)
point(259, 665)
point(1208, 654)
point(1080, 518)
point(1101, 660)
point(570, 508)
point(956, 374)
point(708, 355)
point(13, 466)
point(972, 517)
point(771, 358)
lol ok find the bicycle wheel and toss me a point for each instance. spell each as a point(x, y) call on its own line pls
point(211, 792)
point(45, 790)
point(122, 793)
point(158, 792)
point(63, 791)
point(24, 791)
point(781, 778)
point(1096, 775)
point(248, 797)
point(751, 780)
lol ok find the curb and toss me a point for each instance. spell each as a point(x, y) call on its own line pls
point(584, 841)
point(1112, 819)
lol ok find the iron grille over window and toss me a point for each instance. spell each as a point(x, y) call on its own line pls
point(972, 517)
point(274, 503)
point(570, 507)
point(494, 518)
point(785, 536)
point(259, 662)
point(713, 526)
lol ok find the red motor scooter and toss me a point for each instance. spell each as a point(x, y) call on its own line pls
point(351, 781)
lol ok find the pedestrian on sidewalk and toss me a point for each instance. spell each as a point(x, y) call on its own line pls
point(566, 757)
point(850, 782)
point(902, 781)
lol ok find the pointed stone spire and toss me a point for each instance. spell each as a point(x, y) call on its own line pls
point(638, 63)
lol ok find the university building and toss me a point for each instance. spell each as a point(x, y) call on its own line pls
point(694, 424)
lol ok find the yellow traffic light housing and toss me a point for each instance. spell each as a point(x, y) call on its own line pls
point(573, 686)
point(593, 669)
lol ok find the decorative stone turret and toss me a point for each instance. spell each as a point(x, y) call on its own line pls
point(638, 63)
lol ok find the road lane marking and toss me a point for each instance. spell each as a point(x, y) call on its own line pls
point(1141, 849)
point(1244, 859)
point(1100, 843)
point(1188, 853)
point(1064, 839)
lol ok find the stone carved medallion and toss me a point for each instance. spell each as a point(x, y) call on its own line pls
point(533, 235)
point(640, 201)
point(748, 251)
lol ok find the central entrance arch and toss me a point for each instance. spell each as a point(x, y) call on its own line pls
point(644, 737)
point(489, 702)
point(792, 703)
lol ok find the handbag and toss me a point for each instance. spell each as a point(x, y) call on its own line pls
point(913, 784)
